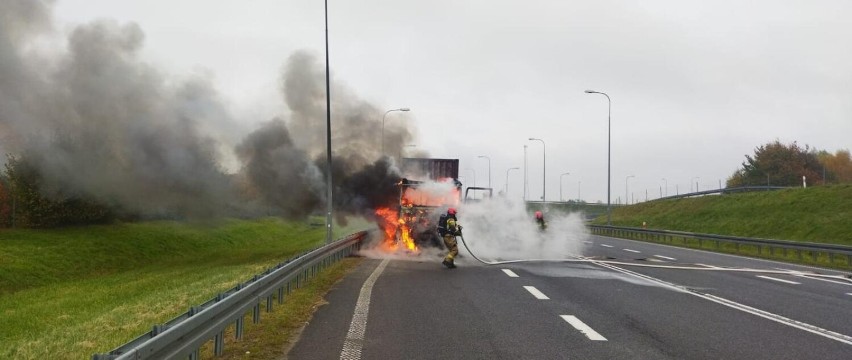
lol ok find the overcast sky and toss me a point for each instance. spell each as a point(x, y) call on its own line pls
point(695, 85)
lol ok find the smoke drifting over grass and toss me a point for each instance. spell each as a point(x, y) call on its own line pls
point(98, 122)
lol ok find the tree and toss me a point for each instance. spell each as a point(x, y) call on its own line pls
point(38, 208)
point(776, 164)
point(837, 168)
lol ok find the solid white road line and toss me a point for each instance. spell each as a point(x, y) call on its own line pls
point(510, 273)
point(538, 294)
point(848, 293)
point(355, 337)
point(779, 280)
point(588, 242)
point(633, 251)
point(826, 280)
point(605, 245)
point(585, 329)
point(665, 257)
point(705, 265)
point(846, 339)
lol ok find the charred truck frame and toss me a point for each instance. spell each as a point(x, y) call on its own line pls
point(421, 202)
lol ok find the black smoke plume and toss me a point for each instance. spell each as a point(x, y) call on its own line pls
point(97, 122)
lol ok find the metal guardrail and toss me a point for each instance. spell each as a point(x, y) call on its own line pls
point(723, 191)
point(183, 336)
point(832, 251)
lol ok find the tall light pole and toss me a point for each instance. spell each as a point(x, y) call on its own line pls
point(608, 154)
point(667, 186)
point(383, 126)
point(526, 173)
point(329, 189)
point(507, 179)
point(627, 199)
point(560, 185)
point(579, 182)
point(489, 168)
point(543, 170)
point(697, 179)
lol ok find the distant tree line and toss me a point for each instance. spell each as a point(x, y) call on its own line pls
point(777, 164)
point(25, 201)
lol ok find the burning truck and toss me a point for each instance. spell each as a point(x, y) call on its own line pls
point(413, 223)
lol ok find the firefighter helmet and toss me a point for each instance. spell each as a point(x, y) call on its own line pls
point(539, 215)
point(451, 211)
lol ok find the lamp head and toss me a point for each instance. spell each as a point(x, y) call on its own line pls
point(404, 109)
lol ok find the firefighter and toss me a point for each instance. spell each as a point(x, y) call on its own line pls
point(449, 228)
point(539, 219)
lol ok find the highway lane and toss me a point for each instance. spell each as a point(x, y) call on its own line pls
point(818, 301)
point(419, 310)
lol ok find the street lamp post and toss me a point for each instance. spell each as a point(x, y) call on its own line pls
point(608, 154)
point(543, 170)
point(667, 186)
point(489, 168)
point(329, 185)
point(697, 179)
point(526, 176)
point(507, 179)
point(579, 182)
point(560, 185)
point(627, 199)
point(383, 126)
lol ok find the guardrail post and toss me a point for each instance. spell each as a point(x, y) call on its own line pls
point(219, 343)
point(281, 295)
point(194, 355)
point(269, 303)
point(239, 325)
point(255, 313)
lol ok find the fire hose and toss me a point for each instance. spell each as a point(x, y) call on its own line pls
point(580, 259)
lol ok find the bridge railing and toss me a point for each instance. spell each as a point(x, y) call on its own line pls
point(836, 255)
point(183, 336)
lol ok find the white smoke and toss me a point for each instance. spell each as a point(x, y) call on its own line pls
point(502, 229)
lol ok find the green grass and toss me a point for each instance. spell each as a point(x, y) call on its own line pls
point(820, 214)
point(68, 293)
point(276, 332)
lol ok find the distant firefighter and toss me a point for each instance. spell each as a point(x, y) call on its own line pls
point(539, 219)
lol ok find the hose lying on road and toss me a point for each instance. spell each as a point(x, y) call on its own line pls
point(579, 259)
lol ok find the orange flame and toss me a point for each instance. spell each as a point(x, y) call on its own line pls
point(392, 225)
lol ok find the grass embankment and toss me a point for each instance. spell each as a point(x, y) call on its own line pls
point(818, 214)
point(68, 293)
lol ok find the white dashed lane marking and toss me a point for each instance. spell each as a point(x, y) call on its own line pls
point(633, 251)
point(510, 273)
point(605, 245)
point(777, 279)
point(583, 328)
point(538, 294)
point(665, 257)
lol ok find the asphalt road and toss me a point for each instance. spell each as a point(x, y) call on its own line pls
point(585, 310)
